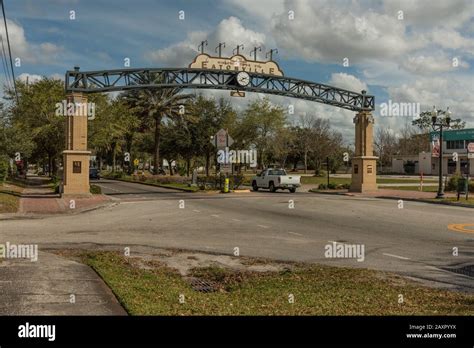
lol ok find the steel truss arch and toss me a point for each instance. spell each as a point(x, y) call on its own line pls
point(77, 81)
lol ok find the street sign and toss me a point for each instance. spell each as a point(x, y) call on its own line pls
point(222, 139)
point(226, 168)
point(435, 148)
point(470, 150)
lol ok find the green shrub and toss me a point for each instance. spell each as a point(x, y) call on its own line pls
point(3, 168)
point(453, 183)
point(95, 190)
point(323, 187)
point(332, 186)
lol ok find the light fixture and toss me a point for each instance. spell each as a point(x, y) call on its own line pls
point(448, 116)
point(434, 115)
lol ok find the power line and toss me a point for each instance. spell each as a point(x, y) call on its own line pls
point(9, 50)
point(5, 64)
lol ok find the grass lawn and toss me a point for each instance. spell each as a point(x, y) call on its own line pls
point(316, 180)
point(411, 188)
point(317, 290)
point(9, 198)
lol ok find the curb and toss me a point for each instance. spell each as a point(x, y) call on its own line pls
point(462, 205)
point(155, 185)
point(20, 216)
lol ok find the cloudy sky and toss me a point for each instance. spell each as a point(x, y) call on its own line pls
point(405, 51)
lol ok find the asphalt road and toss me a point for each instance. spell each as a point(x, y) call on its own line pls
point(413, 241)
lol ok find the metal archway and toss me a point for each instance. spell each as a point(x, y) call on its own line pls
point(125, 79)
point(80, 83)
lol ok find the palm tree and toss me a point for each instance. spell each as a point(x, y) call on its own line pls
point(155, 105)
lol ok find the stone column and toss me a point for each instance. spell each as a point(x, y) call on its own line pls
point(364, 163)
point(76, 156)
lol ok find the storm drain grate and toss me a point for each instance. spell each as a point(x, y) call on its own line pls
point(466, 270)
point(201, 285)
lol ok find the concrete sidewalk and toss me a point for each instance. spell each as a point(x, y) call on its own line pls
point(45, 287)
point(38, 198)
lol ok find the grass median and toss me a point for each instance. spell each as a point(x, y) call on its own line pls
point(317, 290)
point(10, 195)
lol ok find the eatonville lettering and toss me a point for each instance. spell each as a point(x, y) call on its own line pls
point(235, 63)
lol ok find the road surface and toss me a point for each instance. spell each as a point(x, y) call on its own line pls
point(413, 240)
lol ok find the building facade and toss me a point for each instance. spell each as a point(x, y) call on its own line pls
point(455, 143)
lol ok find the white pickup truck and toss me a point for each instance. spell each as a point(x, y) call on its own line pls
point(274, 179)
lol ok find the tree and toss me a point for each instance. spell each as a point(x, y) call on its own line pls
point(259, 123)
point(281, 144)
point(386, 144)
point(208, 120)
point(154, 105)
point(112, 130)
point(34, 117)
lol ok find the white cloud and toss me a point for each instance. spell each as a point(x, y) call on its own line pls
point(329, 32)
point(28, 52)
point(453, 91)
point(450, 38)
point(230, 30)
point(429, 13)
point(431, 65)
point(31, 78)
point(346, 81)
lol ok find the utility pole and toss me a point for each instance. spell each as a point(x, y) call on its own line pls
point(9, 49)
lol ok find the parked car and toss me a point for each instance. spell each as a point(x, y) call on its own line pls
point(94, 173)
point(275, 179)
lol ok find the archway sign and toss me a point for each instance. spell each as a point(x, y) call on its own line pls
point(237, 74)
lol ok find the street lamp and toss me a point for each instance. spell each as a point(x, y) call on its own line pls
point(438, 125)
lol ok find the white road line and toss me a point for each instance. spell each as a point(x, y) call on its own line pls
point(296, 234)
point(214, 215)
point(196, 211)
point(396, 256)
point(263, 226)
point(237, 220)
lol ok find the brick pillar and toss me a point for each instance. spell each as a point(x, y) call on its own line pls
point(76, 156)
point(364, 163)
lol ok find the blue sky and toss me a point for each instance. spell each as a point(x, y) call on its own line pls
point(408, 59)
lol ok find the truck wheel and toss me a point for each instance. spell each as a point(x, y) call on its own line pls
point(254, 186)
point(292, 190)
point(272, 187)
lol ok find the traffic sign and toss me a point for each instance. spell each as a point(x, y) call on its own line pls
point(222, 139)
point(136, 162)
